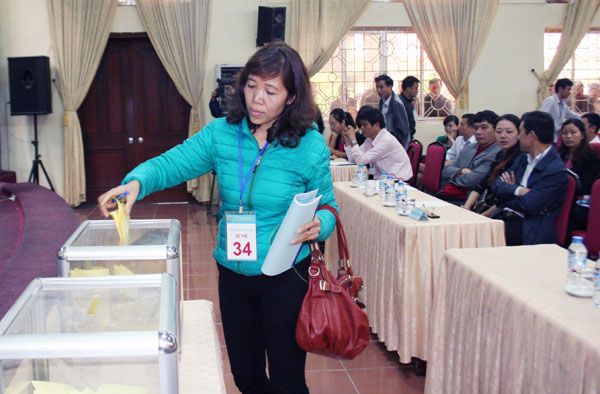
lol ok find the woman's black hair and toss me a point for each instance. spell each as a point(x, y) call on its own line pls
point(272, 60)
point(343, 117)
point(450, 118)
point(509, 155)
point(583, 147)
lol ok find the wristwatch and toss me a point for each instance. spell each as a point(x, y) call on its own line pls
point(353, 142)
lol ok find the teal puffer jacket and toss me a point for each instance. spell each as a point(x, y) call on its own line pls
point(282, 173)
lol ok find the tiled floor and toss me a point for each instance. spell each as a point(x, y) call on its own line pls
point(375, 371)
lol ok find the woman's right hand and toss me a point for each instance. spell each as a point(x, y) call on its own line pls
point(105, 200)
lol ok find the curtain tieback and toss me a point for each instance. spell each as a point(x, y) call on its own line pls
point(66, 117)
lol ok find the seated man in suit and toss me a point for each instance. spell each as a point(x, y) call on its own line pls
point(473, 162)
point(381, 149)
point(533, 189)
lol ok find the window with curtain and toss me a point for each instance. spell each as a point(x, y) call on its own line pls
point(347, 79)
point(583, 69)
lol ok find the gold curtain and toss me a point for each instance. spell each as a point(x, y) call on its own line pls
point(178, 30)
point(79, 30)
point(453, 33)
point(318, 26)
point(578, 18)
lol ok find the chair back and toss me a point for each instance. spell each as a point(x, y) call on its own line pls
point(562, 220)
point(434, 163)
point(592, 233)
point(414, 150)
point(558, 141)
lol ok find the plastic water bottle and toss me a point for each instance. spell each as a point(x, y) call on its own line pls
point(390, 193)
point(579, 275)
point(361, 175)
point(596, 298)
point(381, 185)
point(401, 199)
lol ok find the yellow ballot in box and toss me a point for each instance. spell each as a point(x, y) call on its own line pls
point(95, 249)
point(121, 219)
point(92, 335)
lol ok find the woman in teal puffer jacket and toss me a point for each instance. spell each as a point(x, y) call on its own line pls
point(282, 154)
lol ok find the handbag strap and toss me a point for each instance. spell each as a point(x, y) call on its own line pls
point(343, 252)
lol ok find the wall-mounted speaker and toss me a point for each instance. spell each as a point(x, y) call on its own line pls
point(29, 85)
point(271, 25)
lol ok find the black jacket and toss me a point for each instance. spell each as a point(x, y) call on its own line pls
point(588, 169)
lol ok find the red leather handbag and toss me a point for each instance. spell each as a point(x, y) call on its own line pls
point(331, 322)
point(353, 284)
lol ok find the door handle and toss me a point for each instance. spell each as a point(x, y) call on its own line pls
point(140, 140)
point(130, 140)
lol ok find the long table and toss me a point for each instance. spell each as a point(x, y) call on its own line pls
point(342, 170)
point(502, 323)
point(398, 258)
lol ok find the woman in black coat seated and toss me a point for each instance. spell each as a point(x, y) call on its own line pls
point(581, 159)
point(481, 199)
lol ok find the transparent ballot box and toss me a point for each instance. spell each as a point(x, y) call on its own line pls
point(93, 335)
point(95, 249)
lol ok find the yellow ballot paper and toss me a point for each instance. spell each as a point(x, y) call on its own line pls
point(41, 387)
point(120, 269)
point(122, 222)
point(93, 271)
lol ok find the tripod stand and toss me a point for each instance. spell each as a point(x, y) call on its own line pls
point(34, 174)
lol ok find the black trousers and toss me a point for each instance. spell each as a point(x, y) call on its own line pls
point(259, 315)
point(513, 227)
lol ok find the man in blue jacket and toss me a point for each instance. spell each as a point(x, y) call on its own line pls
point(533, 189)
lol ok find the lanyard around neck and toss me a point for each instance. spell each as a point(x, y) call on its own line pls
point(243, 182)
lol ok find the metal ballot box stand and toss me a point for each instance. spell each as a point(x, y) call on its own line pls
point(95, 249)
point(104, 334)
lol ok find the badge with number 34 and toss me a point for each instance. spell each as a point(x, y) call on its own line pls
point(241, 236)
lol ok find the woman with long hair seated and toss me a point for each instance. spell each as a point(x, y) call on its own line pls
point(450, 130)
point(338, 121)
point(450, 134)
point(581, 159)
point(481, 199)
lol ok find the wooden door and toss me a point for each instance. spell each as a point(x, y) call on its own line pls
point(131, 113)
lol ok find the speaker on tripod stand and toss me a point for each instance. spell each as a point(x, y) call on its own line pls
point(30, 94)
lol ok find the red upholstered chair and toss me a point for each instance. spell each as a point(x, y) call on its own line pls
point(414, 150)
point(562, 220)
point(558, 141)
point(434, 163)
point(592, 233)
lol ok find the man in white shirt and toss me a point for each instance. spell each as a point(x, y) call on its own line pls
point(557, 108)
point(380, 149)
point(533, 189)
point(466, 130)
point(591, 122)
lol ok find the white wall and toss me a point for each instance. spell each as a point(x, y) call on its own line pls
point(501, 79)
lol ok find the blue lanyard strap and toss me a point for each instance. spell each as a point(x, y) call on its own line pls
point(256, 161)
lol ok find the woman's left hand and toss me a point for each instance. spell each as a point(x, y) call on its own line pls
point(308, 232)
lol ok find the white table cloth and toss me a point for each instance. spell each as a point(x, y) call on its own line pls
point(342, 170)
point(502, 323)
point(200, 363)
point(398, 257)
